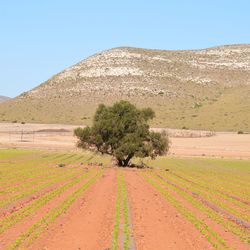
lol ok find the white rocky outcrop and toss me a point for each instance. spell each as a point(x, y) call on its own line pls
point(133, 71)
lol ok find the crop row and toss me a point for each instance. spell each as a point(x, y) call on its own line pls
point(10, 153)
point(211, 188)
point(31, 181)
point(219, 174)
point(209, 211)
point(225, 184)
point(35, 173)
point(27, 238)
point(18, 171)
point(121, 215)
point(17, 216)
point(212, 236)
point(235, 224)
point(27, 192)
point(208, 194)
point(86, 157)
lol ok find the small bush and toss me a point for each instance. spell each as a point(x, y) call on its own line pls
point(24, 94)
point(240, 132)
point(197, 105)
point(61, 165)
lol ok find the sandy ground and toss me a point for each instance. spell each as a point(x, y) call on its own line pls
point(183, 142)
point(219, 145)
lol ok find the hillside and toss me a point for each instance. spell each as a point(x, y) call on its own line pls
point(3, 98)
point(198, 89)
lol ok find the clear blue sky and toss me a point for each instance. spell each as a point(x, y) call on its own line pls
point(40, 38)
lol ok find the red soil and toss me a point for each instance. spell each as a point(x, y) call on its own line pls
point(21, 227)
point(231, 239)
point(229, 203)
point(210, 204)
point(156, 224)
point(22, 202)
point(88, 223)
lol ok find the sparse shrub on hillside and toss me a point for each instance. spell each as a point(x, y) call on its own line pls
point(24, 94)
point(240, 132)
point(197, 105)
point(122, 131)
point(15, 121)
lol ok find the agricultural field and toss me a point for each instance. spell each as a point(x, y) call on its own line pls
point(79, 200)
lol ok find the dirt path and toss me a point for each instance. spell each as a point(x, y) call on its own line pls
point(88, 223)
point(156, 224)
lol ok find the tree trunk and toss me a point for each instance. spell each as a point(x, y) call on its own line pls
point(120, 162)
point(124, 162)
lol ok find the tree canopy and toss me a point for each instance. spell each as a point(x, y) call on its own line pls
point(122, 131)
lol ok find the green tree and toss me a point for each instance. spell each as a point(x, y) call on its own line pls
point(122, 131)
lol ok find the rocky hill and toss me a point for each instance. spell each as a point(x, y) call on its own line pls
point(201, 89)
